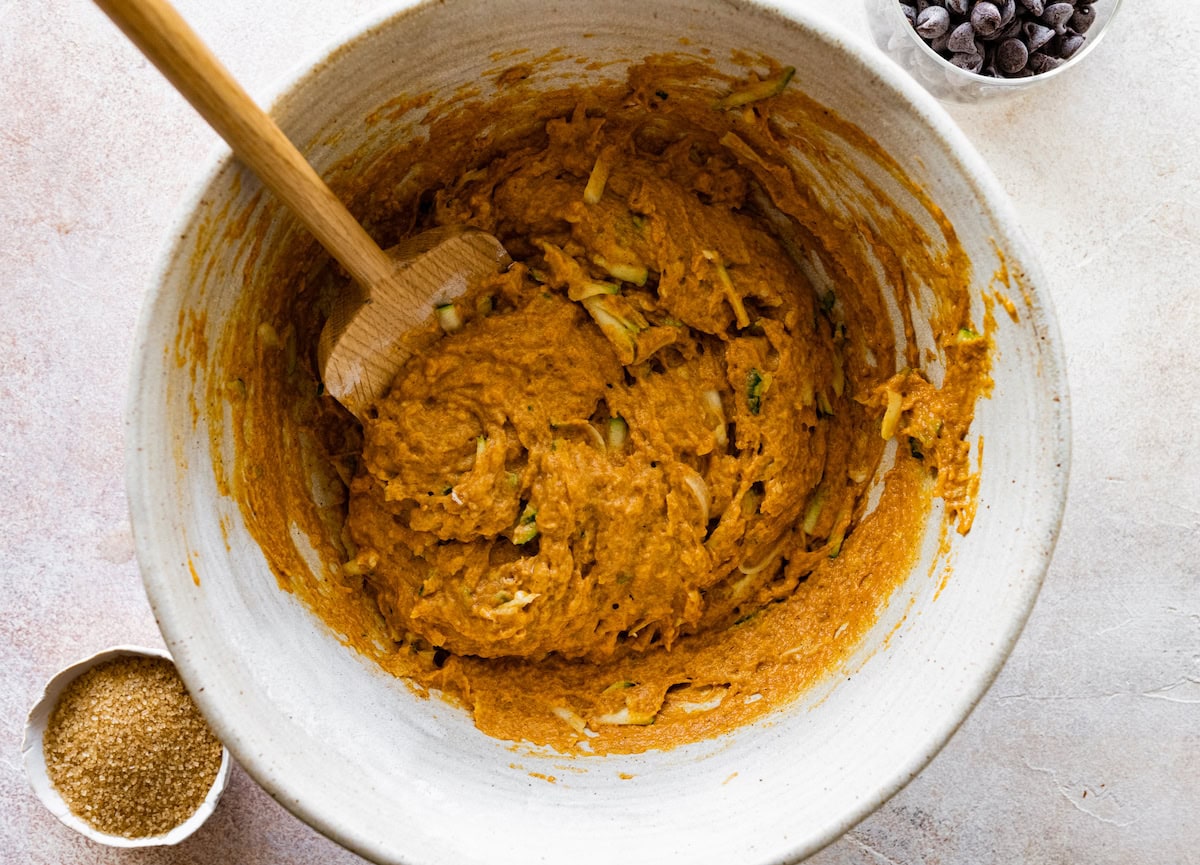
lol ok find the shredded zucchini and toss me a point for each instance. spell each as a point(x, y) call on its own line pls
point(891, 416)
point(268, 335)
point(699, 488)
point(618, 432)
point(756, 384)
point(526, 529)
point(706, 705)
point(757, 91)
point(591, 288)
point(633, 273)
point(720, 435)
point(572, 719)
point(813, 512)
point(507, 604)
point(618, 321)
point(712, 400)
point(364, 563)
point(839, 534)
point(839, 374)
point(764, 562)
point(735, 300)
point(619, 685)
point(750, 502)
point(598, 179)
point(448, 318)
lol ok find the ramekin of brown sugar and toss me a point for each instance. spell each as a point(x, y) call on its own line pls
point(117, 750)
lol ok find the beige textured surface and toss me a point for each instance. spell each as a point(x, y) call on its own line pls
point(1087, 749)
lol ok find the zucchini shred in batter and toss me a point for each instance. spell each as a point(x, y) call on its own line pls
point(662, 474)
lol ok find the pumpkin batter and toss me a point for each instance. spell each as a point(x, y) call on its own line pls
point(623, 449)
point(621, 496)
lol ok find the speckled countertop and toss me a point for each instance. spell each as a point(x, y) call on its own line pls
point(1087, 748)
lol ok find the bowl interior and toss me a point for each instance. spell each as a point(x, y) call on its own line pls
point(396, 777)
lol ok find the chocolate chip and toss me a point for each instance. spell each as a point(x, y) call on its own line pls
point(969, 62)
point(1011, 56)
point(1037, 7)
point(986, 19)
point(1083, 19)
point(962, 39)
point(910, 12)
point(1036, 36)
point(1057, 15)
point(958, 7)
point(933, 22)
point(1069, 44)
point(1041, 63)
point(1012, 31)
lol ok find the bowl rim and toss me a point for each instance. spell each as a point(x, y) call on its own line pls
point(928, 111)
point(33, 759)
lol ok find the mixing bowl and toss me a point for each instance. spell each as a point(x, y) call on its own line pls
point(399, 777)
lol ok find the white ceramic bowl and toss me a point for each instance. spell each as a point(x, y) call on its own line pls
point(401, 779)
point(34, 758)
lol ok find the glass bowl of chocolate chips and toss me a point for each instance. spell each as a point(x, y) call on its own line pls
point(974, 50)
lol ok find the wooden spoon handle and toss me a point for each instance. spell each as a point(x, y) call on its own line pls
point(171, 45)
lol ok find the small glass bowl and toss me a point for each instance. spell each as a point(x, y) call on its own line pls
point(947, 82)
point(35, 759)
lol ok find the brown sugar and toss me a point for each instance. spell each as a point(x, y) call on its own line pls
point(128, 750)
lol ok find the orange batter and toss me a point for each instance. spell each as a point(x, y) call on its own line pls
point(619, 498)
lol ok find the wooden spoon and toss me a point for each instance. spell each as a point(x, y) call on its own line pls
point(360, 348)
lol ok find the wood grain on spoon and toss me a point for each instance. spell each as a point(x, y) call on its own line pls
point(359, 351)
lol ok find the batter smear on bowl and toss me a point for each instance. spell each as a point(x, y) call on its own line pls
point(660, 475)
